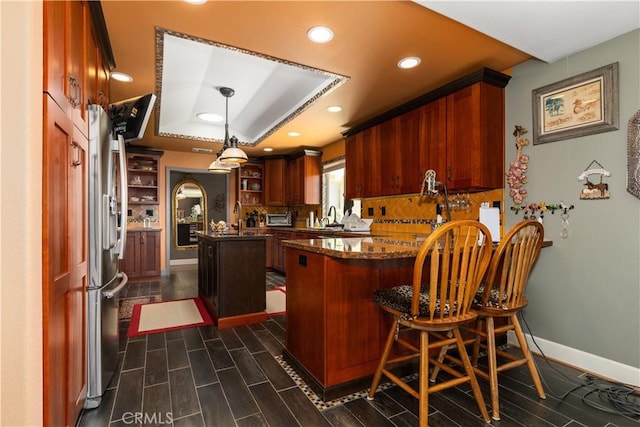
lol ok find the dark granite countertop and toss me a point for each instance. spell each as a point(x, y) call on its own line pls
point(244, 235)
point(379, 246)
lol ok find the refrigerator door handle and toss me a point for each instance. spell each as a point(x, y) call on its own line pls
point(124, 199)
point(110, 294)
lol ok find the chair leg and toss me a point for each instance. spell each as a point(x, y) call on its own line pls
point(524, 347)
point(424, 379)
point(443, 352)
point(383, 359)
point(493, 368)
point(472, 376)
point(477, 326)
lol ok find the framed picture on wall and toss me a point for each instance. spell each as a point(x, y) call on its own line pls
point(581, 105)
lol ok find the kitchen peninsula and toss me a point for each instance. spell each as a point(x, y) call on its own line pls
point(335, 332)
point(231, 277)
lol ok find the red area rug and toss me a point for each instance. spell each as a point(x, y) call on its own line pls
point(167, 316)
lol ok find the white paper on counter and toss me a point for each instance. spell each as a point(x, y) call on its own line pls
point(490, 217)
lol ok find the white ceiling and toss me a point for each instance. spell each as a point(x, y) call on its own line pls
point(547, 30)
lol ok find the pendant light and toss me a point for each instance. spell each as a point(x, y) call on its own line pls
point(220, 167)
point(231, 153)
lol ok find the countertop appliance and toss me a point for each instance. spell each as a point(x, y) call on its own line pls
point(107, 239)
point(279, 220)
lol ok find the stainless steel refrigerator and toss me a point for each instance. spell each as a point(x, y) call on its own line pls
point(108, 135)
point(106, 246)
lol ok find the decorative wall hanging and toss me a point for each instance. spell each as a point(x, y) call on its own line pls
point(594, 190)
point(581, 105)
point(516, 175)
point(633, 155)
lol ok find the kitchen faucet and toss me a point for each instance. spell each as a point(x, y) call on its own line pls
point(237, 209)
point(334, 214)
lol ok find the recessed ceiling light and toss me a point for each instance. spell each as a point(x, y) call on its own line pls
point(320, 34)
point(334, 109)
point(409, 62)
point(195, 1)
point(294, 134)
point(267, 149)
point(121, 77)
point(210, 117)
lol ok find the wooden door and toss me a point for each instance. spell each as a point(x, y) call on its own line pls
point(409, 146)
point(78, 237)
point(353, 168)
point(294, 181)
point(311, 179)
point(274, 182)
point(64, 263)
point(131, 263)
point(149, 253)
point(55, 72)
point(433, 139)
point(475, 137)
point(390, 148)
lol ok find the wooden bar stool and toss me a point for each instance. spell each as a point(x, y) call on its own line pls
point(502, 296)
point(455, 257)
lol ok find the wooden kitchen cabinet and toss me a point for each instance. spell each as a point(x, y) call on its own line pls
point(459, 134)
point(68, 64)
point(362, 164)
point(275, 182)
point(251, 181)
point(475, 138)
point(77, 60)
point(304, 173)
point(142, 254)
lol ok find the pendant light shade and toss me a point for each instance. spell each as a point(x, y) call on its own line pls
point(231, 153)
point(221, 167)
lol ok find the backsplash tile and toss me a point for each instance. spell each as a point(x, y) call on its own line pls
point(414, 214)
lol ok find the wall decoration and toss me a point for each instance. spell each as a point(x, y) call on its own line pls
point(516, 175)
point(633, 155)
point(582, 105)
point(594, 190)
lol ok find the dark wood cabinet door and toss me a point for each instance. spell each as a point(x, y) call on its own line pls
point(64, 264)
point(433, 139)
point(150, 253)
point(475, 138)
point(391, 154)
point(130, 264)
point(274, 182)
point(363, 164)
point(294, 181)
point(353, 169)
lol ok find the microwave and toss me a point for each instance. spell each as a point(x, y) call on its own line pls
point(279, 220)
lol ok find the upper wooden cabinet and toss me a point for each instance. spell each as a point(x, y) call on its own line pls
point(475, 138)
point(458, 133)
point(275, 182)
point(362, 164)
point(77, 59)
point(304, 174)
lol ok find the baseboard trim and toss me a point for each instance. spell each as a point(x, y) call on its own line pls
point(579, 359)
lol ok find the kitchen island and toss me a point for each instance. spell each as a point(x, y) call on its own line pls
point(232, 276)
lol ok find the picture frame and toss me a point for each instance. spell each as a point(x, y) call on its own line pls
point(581, 105)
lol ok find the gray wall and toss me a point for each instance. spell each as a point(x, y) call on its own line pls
point(584, 292)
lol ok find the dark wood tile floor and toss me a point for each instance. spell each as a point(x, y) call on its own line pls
point(209, 377)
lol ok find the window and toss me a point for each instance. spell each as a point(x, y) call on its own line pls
point(333, 191)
